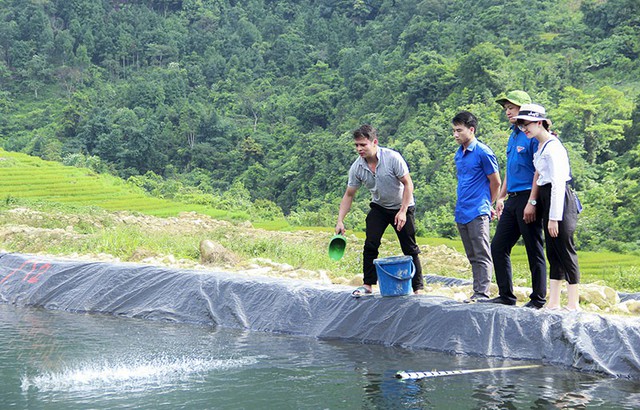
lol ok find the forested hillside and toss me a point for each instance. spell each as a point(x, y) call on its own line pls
point(199, 96)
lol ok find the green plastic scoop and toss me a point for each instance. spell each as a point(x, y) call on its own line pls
point(336, 247)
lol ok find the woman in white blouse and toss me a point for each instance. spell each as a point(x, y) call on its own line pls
point(557, 203)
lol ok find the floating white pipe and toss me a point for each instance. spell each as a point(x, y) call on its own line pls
point(424, 375)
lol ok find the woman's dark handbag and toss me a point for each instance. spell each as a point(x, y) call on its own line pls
point(578, 203)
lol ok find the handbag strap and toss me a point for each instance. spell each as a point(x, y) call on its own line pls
point(570, 181)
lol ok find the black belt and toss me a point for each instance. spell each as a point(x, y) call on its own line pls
point(514, 194)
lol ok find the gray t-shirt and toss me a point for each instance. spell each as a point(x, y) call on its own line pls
point(385, 186)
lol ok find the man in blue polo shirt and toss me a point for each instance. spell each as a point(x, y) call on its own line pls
point(478, 187)
point(517, 215)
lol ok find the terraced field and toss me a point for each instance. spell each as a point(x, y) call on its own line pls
point(27, 177)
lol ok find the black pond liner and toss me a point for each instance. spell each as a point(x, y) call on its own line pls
point(584, 341)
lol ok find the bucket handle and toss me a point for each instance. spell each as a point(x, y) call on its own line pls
point(413, 271)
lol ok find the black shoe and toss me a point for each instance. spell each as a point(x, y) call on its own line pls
point(499, 300)
point(532, 305)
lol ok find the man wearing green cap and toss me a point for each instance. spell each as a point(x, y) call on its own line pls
point(517, 213)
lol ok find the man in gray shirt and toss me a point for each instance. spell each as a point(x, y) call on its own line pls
point(386, 175)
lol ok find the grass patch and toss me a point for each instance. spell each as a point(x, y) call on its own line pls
point(63, 229)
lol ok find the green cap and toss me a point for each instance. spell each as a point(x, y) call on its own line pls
point(336, 247)
point(516, 97)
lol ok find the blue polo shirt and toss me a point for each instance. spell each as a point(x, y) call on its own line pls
point(520, 169)
point(474, 194)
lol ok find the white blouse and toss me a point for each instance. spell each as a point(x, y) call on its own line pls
point(552, 163)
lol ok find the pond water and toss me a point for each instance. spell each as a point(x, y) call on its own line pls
point(60, 360)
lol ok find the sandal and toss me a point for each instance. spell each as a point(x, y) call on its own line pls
point(360, 291)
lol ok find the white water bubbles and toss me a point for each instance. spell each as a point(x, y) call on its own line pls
point(130, 375)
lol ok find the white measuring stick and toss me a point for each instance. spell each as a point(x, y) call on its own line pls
point(424, 375)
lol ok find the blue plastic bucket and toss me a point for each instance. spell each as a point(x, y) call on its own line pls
point(394, 275)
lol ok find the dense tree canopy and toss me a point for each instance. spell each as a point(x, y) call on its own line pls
point(261, 95)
